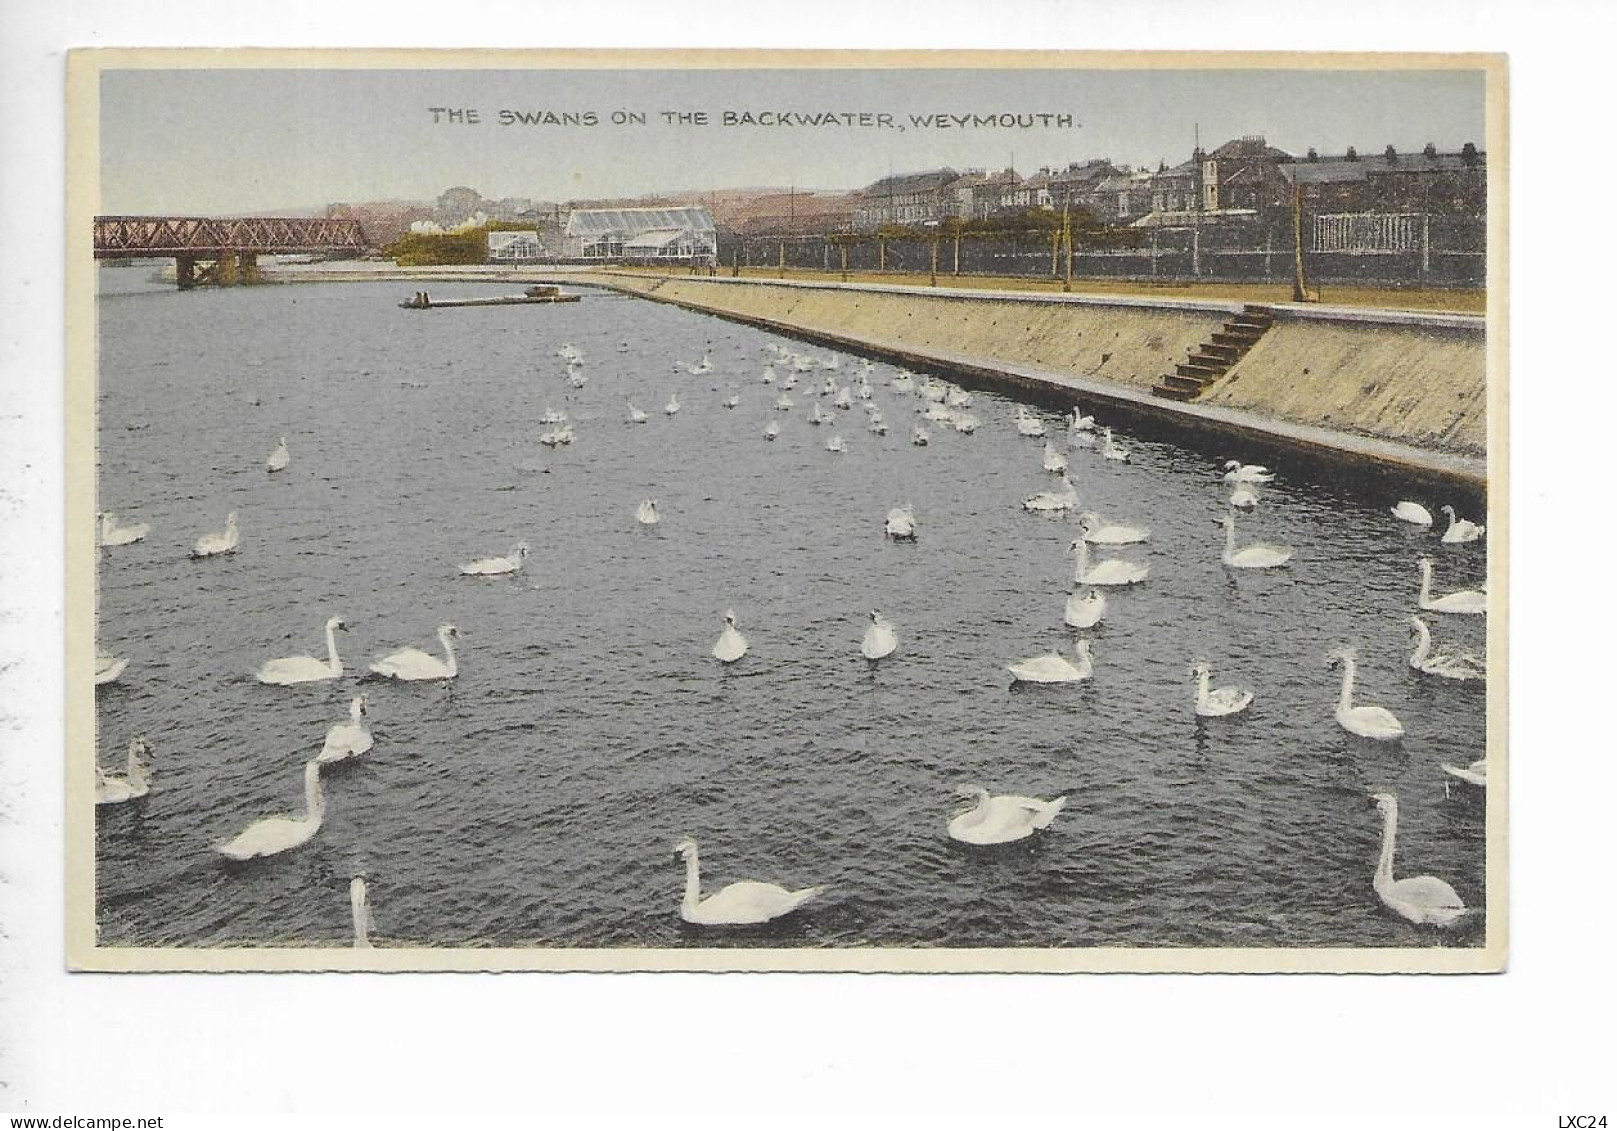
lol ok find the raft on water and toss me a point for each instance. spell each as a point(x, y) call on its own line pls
point(423, 301)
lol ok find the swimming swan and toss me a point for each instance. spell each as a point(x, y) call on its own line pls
point(114, 535)
point(636, 415)
point(1000, 820)
point(735, 905)
point(307, 669)
point(1460, 529)
point(880, 639)
point(731, 645)
point(210, 545)
point(1095, 531)
point(835, 444)
point(359, 905)
point(1243, 497)
point(1475, 774)
point(493, 567)
point(135, 781)
point(1237, 472)
point(900, 524)
point(1259, 555)
point(1112, 571)
point(108, 668)
point(646, 513)
point(1221, 701)
point(1472, 601)
point(1111, 450)
point(279, 458)
point(271, 835)
point(1054, 667)
point(1407, 511)
point(1027, 424)
point(1064, 499)
point(1420, 899)
point(1085, 611)
point(673, 404)
point(1366, 722)
point(1449, 665)
point(1053, 460)
point(414, 664)
point(771, 430)
point(347, 740)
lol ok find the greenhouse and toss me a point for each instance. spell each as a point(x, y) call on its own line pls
point(685, 235)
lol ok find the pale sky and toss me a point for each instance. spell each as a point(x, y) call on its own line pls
point(231, 140)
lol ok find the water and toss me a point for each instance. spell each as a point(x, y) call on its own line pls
point(536, 799)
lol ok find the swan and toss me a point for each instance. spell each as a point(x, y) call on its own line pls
point(1002, 819)
point(553, 416)
point(834, 444)
point(1412, 512)
point(646, 513)
point(1099, 534)
point(938, 414)
point(1053, 460)
point(958, 398)
point(865, 391)
point(1473, 601)
point(1110, 450)
point(900, 524)
point(877, 424)
point(1475, 774)
point(769, 374)
point(557, 437)
point(673, 404)
point(880, 639)
point(844, 398)
point(790, 382)
point(1064, 499)
point(1449, 665)
point(279, 458)
point(108, 668)
point(733, 401)
point(491, 567)
point(919, 437)
point(306, 669)
point(814, 414)
point(1237, 472)
point(735, 905)
point(210, 545)
point(1259, 555)
point(1220, 701)
point(1420, 899)
point(114, 535)
point(731, 645)
point(934, 392)
point(347, 740)
point(1054, 667)
point(1366, 722)
point(1085, 611)
point(771, 430)
point(636, 415)
point(965, 423)
point(361, 908)
point(414, 664)
point(135, 781)
point(1078, 422)
point(271, 835)
point(904, 382)
point(783, 403)
point(1243, 497)
point(1112, 571)
point(701, 367)
point(1460, 529)
point(1028, 424)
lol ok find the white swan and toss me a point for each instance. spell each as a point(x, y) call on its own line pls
point(646, 513)
point(1243, 497)
point(1259, 555)
point(493, 567)
point(108, 668)
point(673, 404)
point(1470, 601)
point(210, 545)
point(1366, 722)
point(271, 835)
point(1420, 899)
point(771, 430)
point(1449, 665)
point(958, 398)
point(844, 398)
point(1220, 701)
point(307, 669)
point(558, 436)
point(414, 664)
point(636, 415)
point(1237, 472)
point(731, 644)
point(938, 414)
point(114, 535)
point(814, 414)
point(735, 905)
point(1002, 819)
point(1110, 449)
point(769, 374)
point(880, 639)
point(919, 437)
point(835, 444)
point(349, 739)
point(1475, 774)
point(135, 781)
point(1100, 534)
point(1085, 611)
point(279, 458)
point(1027, 424)
point(1407, 511)
point(784, 402)
point(965, 423)
point(1054, 667)
point(1053, 460)
point(900, 524)
point(733, 400)
point(1078, 422)
point(1460, 529)
point(1112, 571)
point(701, 367)
point(1064, 499)
point(359, 905)
point(555, 416)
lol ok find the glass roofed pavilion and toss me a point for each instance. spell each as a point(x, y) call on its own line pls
point(683, 235)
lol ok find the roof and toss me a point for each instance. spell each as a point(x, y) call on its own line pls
point(654, 240)
point(631, 221)
point(912, 182)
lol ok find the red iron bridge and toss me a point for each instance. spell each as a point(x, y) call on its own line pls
point(223, 252)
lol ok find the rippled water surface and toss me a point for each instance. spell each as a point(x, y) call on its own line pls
point(535, 800)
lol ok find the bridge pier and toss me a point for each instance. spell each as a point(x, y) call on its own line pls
point(225, 269)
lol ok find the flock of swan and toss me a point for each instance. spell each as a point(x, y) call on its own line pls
point(987, 819)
